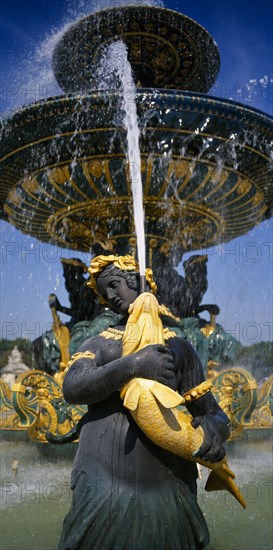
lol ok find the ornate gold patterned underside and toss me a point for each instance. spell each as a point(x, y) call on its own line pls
point(221, 207)
point(200, 188)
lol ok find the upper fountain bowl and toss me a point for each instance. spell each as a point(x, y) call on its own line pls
point(165, 48)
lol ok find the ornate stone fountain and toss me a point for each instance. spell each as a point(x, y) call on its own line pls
point(206, 163)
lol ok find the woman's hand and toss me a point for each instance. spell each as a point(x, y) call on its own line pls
point(157, 363)
point(212, 448)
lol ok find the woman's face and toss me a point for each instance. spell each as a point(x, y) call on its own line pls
point(115, 291)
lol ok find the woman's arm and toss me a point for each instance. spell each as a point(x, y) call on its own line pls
point(91, 379)
point(204, 409)
point(54, 302)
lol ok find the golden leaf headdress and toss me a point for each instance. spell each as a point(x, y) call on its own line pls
point(124, 263)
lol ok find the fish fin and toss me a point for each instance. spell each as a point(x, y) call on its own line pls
point(132, 396)
point(167, 397)
point(227, 470)
point(216, 483)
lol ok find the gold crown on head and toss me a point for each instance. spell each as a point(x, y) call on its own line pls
point(124, 263)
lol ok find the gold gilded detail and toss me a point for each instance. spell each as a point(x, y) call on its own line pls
point(95, 168)
point(62, 335)
point(59, 175)
point(38, 401)
point(259, 197)
point(9, 419)
point(14, 197)
point(77, 356)
point(19, 388)
point(208, 329)
point(243, 186)
point(30, 185)
point(236, 392)
point(169, 334)
point(197, 392)
point(164, 310)
point(144, 165)
point(111, 333)
point(86, 171)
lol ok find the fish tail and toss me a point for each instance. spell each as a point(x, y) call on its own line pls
point(217, 483)
point(131, 393)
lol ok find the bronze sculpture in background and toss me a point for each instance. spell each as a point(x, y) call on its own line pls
point(53, 349)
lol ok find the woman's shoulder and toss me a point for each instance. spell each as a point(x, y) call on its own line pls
point(95, 342)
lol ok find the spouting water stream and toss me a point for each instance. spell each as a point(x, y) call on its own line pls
point(117, 55)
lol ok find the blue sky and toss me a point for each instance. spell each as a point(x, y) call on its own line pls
point(240, 274)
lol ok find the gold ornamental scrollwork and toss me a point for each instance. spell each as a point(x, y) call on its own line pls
point(82, 225)
point(262, 416)
point(9, 419)
point(40, 405)
point(236, 392)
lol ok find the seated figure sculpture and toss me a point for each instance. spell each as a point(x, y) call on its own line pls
point(127, 491)
point(87, 317)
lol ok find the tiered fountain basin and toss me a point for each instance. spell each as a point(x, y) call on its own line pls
point(206, 165)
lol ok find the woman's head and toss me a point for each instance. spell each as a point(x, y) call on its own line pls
point(118, 288)
point(116, 280)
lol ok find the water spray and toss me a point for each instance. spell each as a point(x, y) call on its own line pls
point(117, 59)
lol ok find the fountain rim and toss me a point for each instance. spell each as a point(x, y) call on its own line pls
point(108, 93)
point(139, 7)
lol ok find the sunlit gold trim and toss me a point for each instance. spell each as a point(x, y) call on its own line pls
point(167, 178)
point(109, 177)
point(112, 333)
point(149, 173)
point(53, 136)
point(77, 356)
point(197, 392)
point(225, 175)
point(52, 178)
point(185, 181)
point(85, 169)
point(168, 334)
point(201, 185)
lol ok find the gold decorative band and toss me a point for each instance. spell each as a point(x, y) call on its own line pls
point(169, 334)
point(77, 356)
point(164, 310)
point(252, 385)
point(20, 388)
point(112, 333)
point(116, 334)
point(197, 392)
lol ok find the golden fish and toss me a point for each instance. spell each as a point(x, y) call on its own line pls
point(153, 405)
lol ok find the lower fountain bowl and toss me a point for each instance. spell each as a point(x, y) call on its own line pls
point(206, 169)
